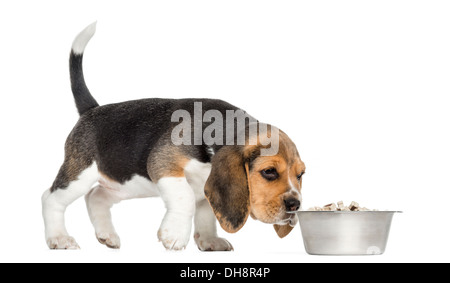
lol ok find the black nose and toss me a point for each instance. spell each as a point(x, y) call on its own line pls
point(292, 204)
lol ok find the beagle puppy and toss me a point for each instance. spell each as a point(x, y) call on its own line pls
point(126, 150)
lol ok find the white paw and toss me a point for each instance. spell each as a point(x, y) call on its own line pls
point(111, 240)
point(212, 243)
point(62, 242)
point(174, 233)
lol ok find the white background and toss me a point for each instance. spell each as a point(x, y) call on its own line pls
point(362, 88)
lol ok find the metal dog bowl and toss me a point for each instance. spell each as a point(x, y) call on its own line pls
point(345, 232)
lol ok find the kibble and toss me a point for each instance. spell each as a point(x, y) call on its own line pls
point(339, 206)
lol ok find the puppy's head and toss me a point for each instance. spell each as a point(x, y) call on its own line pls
point(245, 182)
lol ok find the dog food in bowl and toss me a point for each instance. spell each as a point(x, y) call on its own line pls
point(339, 206)
point(336, 229)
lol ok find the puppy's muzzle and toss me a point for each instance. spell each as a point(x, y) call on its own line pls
point(291, 204)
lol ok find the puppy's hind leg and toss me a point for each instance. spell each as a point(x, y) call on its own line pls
point(99, 202)
point(70, 184)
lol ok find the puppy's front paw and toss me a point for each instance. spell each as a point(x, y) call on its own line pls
point(174, 232)
point(173, 239)
point(63, 242)
point(212, 243)
point(111, 240)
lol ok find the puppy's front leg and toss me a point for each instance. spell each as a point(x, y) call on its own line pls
point(205, 233)
point(179, 199)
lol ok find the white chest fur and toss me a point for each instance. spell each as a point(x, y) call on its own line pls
point(196, 174)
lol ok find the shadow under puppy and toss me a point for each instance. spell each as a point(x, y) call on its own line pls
point(128, 149)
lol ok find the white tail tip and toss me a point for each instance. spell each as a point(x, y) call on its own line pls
point(82, 39)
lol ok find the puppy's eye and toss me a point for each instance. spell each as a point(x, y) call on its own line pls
point(299, 176)
point(270, 174)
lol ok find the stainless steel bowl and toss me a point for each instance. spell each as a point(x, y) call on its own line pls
point(345, 232)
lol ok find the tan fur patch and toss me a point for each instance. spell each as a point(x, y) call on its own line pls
point(76, 159)
point(168, 161)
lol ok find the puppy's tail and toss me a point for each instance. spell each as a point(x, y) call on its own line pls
point(83, 98)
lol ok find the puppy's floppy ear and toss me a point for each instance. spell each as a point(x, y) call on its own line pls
point(282, 230)
point(227, 188)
